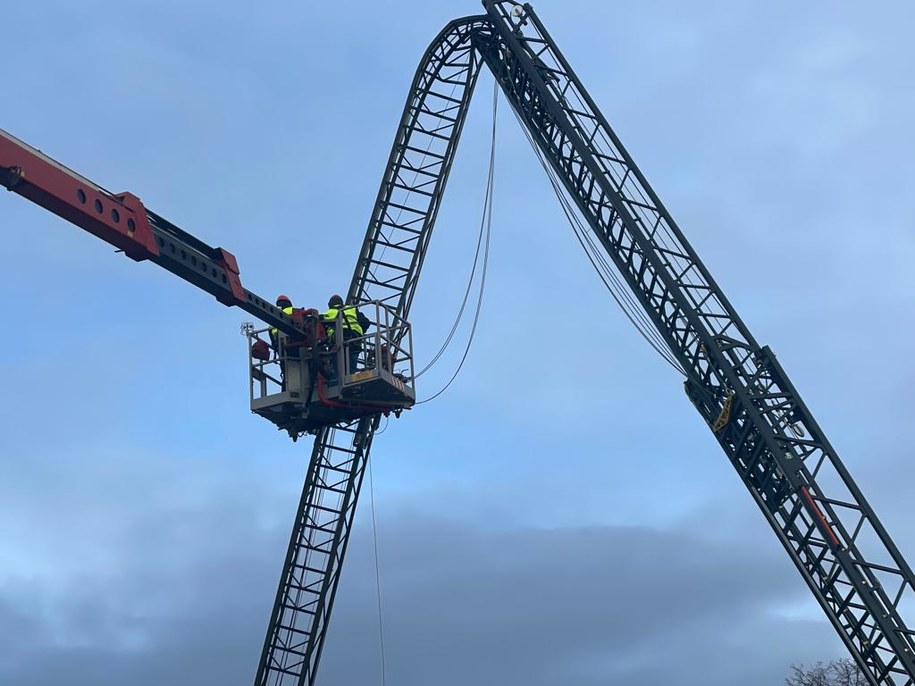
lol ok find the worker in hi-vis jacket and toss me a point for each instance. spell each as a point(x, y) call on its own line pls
point(354, 324)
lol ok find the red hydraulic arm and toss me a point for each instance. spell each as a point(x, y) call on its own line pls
point(121, 220)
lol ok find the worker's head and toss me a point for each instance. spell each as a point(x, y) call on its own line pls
point(335, 301)
point(283, 301)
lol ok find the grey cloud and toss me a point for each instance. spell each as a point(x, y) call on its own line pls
point(462, 605)
point(153, 586)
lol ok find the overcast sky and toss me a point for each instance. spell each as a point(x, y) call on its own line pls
point(551, 520)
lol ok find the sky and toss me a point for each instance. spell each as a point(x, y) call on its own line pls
point(551, 519)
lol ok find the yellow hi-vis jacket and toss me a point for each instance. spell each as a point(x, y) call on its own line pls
point(274, 332)
point(350, 320)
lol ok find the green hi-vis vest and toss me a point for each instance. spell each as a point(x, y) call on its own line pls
point(350, 320)
point(274, 331)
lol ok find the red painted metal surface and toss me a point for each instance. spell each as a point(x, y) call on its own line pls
point(119, 219)
point(228, 262)
point(821, 520)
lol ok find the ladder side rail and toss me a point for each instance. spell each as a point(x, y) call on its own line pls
point(773, 392)
point(759, 366)
point(386, 271)
point(314, 558)
point(417, 170)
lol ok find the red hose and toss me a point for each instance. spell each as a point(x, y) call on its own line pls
point(818, 514)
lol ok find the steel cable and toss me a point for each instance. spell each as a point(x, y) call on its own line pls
point(621, 294)
point(485, 235)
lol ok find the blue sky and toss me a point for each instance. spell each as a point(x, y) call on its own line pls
point(545, 521)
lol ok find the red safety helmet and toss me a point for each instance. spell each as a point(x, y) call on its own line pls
point(283, 301)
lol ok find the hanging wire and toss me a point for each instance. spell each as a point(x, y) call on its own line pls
point(460, 314)
point(485, 235)
point(387, 420)
point(621, 293)
point(596, 253)
point(377, 575)
point(611, 280)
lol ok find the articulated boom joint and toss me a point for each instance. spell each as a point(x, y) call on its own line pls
point(227, 261)
point(140, 242)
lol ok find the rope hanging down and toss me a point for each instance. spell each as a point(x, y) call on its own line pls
point(483, 241)
point(476, 259)
point(384, 671)
point(620, 292)
point(608, 275)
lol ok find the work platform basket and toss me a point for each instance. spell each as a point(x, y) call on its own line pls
point(323, 378)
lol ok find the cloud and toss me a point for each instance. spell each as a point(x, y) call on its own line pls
point(188, 601)
point(561, 514)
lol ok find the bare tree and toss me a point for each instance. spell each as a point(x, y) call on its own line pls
point(847, 673)
point(817, 675)
point(841, 672)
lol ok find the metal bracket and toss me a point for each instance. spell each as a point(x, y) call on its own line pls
point(725, 415)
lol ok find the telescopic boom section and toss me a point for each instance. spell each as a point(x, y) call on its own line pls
point(835, 539)
point(121, 220)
